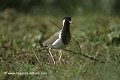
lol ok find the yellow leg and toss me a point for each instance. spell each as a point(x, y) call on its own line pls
point(51, 55)
point(60, 55)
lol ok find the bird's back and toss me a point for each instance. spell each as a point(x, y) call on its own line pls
point(51, 40)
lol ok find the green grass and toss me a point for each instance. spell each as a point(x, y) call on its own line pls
point(98, 36)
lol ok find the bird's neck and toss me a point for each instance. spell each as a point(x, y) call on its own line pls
point(66, 28)
point(65, 34)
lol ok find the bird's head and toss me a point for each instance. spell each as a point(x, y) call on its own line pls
point(67, 20)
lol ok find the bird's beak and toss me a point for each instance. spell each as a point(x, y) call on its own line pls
point(70, 22)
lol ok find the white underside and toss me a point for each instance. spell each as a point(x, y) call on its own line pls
point(58, 43)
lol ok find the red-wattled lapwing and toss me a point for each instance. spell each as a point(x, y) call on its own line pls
point(60, 39)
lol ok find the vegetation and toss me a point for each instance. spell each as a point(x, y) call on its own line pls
point(97, 33)
point(63, 6)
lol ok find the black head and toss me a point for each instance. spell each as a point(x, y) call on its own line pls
point(67, 20)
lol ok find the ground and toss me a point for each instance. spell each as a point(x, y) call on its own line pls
point(98, 35)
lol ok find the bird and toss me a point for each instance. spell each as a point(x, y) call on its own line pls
point(60, 39)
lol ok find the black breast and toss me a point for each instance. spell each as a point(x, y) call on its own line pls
point(66, 37)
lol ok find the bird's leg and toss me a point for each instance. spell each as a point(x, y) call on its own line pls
point(51, 55)
point(60, 55)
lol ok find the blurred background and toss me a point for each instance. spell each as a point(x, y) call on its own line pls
point(96, 26)
point(68, 7)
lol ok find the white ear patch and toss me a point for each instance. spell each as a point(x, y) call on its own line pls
point(63, 22)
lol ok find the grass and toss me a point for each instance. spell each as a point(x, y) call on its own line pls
point(98, 36)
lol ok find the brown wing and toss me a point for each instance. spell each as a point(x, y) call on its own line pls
point(52, 39)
